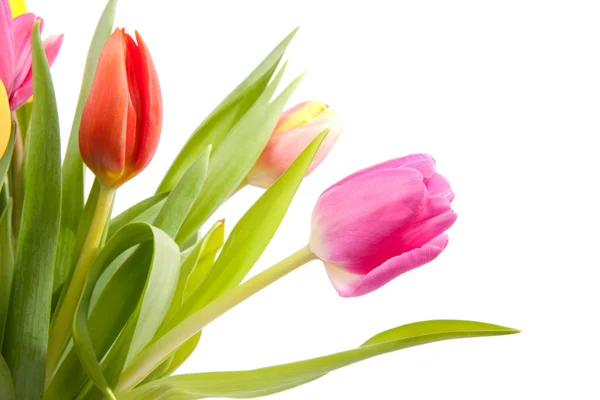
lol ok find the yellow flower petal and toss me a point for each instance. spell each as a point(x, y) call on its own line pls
point(5, 123)
point(17, 7)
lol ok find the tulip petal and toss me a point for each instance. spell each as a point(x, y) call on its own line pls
point(102, 138)
point(6, 46)
point(422, 232)
point(22, 27)
point(351, 221)
point(438, 186)
point(423, 163)
point(283, 149)
point(22, 93)
point(350, 285)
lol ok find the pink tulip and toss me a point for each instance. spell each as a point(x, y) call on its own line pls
point(296, 128)
point(381, 222)
point(15, 53)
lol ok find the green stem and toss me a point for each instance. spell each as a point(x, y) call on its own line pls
point(60, 329)
point(158, 351)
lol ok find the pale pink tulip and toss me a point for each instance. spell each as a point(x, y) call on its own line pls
point(381, 222)
point(15, 53)
point(296, 128)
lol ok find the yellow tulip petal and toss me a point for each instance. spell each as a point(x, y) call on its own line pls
point(5, 123)
point(17, 7)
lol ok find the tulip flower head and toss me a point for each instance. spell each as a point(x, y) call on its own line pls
point(381, 222)
point(296, 128)
point(5, 124)
point(122, 117)
point(15, 53)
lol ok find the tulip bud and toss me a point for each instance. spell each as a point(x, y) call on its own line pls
point(381, 222)
point(122, 117)
point(5, 122)
point(296, 128)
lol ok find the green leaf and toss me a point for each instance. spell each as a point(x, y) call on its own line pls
point(249, 237)
point(72, 169)
point(193, 271)
point(123, 288)
point(218, 124)
point(196, 266)
point(6, 383)
point(26, 337)
point(138, 212)
point(266, 381)
point(247, 241)
point(244, 144)
point(157, 295)
point(5, 159)
point(6, 265)
point(183, 196)
point(109, 314)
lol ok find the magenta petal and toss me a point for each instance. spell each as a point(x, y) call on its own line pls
point(423, 232)
point(438, 186)
point(22, 29)
point(392, 268)
point(7, 67)
point(423, 163)
point(24, 92)
point(350, 221)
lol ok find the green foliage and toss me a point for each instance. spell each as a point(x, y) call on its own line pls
point(26, 335)
point(266, 381)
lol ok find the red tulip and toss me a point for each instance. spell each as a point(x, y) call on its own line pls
point(122, 117)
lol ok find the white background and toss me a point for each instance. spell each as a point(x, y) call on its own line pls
point(505, 95)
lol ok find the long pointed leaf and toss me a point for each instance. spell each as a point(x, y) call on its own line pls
point(26, 337)
point(244, 144)
point(266, 381)
point(218, 124)
point(249, 238)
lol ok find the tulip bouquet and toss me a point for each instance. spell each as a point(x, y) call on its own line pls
point(95, 306)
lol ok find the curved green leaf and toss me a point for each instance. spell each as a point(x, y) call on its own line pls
point(6, 382)
point(162, 278)
point(114, 305)
point(266, 381)
point(26, 337)
point(249, 237)
point(218, 124)
point(138, 212)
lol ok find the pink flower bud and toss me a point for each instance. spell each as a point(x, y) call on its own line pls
point(381, 222)
point(296, 128)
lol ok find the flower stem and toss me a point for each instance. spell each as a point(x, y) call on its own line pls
point(158, 351)
point(60, 329)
